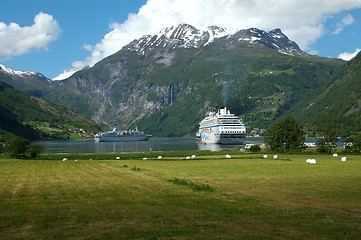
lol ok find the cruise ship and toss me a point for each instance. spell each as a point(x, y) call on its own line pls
point(116, 135)
point(222, 127)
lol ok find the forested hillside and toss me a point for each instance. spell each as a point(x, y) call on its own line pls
point(338, 106)
point(34, 118)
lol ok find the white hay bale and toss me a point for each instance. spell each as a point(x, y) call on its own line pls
point(275, 156)
point(160, 157)
point(75, 160)
point(188, 157)
point(228, 156)
point(117, 158)
point(145, 158)
point(343, 159)
point(265, 156)
point(193, 156)
point(65, 159)
point(335, 155)
point(313, 161)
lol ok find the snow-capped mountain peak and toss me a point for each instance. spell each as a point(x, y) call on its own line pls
point(181, 36)
point(24, 80)
point(22, 74)
point(14, 72)
point(277, 33)
point(186, 36)
point(218, 32)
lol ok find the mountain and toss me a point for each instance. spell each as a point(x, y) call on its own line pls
point(30, 82)
point(34, 118)
point(165, 83)
point(338, 106)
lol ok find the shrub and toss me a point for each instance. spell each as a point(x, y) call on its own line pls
point(16, 147)
point(190, 184)
point(255, 148)
point(354, 143)
point(324, 147)
point(135, 168)
point(36, 150)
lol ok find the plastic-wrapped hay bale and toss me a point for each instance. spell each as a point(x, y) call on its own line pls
point(343, 159)
point(313, 161)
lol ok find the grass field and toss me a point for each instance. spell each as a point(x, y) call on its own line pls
point(247, 197)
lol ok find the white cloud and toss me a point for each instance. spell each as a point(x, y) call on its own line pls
point(346, 21)
point(302, 21)
point(16, 40)
point(348, 56)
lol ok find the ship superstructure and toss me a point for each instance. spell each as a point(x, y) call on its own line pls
point(116, 135)
point(222, 127)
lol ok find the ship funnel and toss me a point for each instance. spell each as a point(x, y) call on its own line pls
point(224, 111)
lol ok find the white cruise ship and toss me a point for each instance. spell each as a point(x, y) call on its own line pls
point(222, 127)
point(121, 136)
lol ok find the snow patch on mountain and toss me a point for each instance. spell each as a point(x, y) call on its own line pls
point(21, 74)
point(14, 72)
point(186, 36)
point(250, 39)
point(217, 32)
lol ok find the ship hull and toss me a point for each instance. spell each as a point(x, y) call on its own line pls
point(213, 135)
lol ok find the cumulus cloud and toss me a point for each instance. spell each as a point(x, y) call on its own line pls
point(302, 21)
point(16, 40)
point(346, 21)
point(348, 56)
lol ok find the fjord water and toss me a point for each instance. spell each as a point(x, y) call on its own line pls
point(154, 144)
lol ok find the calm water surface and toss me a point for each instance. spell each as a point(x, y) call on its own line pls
point(154, 144)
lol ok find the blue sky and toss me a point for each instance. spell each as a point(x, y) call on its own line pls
point(55, 37)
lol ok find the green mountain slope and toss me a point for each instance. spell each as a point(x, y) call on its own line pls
point(262, 90)
point(338, 105)
point(34, 118)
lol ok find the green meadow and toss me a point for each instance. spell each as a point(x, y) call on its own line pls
point(246, 197)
